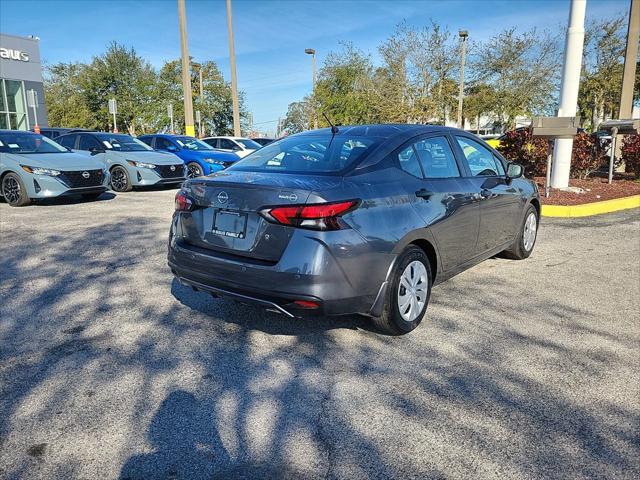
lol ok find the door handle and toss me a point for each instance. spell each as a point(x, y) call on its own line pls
point(424, 193)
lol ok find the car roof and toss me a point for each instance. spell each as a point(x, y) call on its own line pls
point(6, 130)
point(386, 130)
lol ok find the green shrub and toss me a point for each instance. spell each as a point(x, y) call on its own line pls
point(631, 154)
point(520, 147)
point(589, 152)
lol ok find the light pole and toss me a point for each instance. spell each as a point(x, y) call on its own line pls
point(463, 50)
point(561, 164)
point(189, 128)
point(234, 78)
point(312, 52)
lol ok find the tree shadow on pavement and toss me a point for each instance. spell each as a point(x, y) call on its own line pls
point(109, 369)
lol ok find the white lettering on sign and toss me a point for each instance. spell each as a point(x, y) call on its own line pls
point(11, 54)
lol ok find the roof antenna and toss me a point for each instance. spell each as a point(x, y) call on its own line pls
point(334, 129)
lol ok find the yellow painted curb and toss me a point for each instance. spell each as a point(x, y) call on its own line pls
point(588, 209)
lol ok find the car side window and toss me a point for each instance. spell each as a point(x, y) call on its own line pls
point(226, 144)
point(409, 161)
point(87, 142)
point(437, 158)
point(147, 140)
point(163, 143)
point(481, 160)
point(68, 141)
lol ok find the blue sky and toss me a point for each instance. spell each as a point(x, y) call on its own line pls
point(270, 36)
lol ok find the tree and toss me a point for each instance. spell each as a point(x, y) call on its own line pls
point(66, 104)
point(601, 80)
point(122, 74)
point(522, 69)
point(215, 105)
point(344, 86)
point(299, 117)
point(479, 100)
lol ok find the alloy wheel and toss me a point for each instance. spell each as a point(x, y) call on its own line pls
point(119, 179)
point(11, 190)
point(194, 170)
point(412, 290)
point(529, 234)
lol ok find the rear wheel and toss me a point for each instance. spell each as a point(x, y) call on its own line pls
point(120, 181)
point(408, 295)
point(194, 170)
point(14, 191)
point(527, 235)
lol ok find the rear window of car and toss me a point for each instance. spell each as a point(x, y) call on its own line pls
point(325, 154)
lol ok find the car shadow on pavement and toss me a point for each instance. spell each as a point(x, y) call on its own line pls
point(253, 317)
point(110, 368)
point(73, 200)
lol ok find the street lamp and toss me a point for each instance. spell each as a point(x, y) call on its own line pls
point(312, 52)
point(463, 34)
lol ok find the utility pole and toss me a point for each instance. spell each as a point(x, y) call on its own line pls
point(574, 44)
point(463, 50)
point(312, 52)
point(630, 61)
point(234, 78)
point(189, 128)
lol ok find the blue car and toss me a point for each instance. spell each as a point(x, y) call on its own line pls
point(199, 157)
point(33, 166)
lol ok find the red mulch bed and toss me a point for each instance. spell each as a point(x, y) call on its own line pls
point(597, 188)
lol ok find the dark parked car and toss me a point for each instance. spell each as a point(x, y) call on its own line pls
point(55, 132)
point(264, 141)
point(363, 219)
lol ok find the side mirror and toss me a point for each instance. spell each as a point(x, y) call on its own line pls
point(514, 170)
point(172, 148)
point(236, 148)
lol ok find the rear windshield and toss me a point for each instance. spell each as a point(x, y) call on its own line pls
point(308, 154)
point(26, 143)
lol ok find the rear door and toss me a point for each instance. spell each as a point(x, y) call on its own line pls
point(443, 197)
point(501, 202)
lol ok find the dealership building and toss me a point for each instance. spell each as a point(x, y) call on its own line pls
point(20, 71)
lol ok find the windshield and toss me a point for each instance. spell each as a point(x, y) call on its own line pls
point(26, 143)
point(191, 143)
point(308, 154)
point(123, 143)
point(247, 143)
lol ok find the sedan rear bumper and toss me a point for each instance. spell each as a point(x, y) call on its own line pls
point(274, 286)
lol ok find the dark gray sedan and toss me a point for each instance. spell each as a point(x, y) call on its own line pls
point(362, 219)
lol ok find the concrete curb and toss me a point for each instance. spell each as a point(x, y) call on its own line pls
point(588, 209)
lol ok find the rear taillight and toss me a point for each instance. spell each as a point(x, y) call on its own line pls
point(321, 216)
point(183, 202)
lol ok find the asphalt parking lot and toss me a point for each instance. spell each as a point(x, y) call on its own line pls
point(110, 369)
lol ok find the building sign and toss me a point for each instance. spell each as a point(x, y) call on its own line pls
point(11, 54)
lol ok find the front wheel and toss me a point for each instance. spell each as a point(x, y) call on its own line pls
point(408, 294)
point(194, 170)
point(14, 191)
point(527, 235)
point(120, 181)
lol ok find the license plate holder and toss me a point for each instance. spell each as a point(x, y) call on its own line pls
point(230, 224)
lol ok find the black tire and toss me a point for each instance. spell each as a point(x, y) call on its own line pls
point(194, 170)
point(519, 250)
point(120, 181)
point(14, 191)
point(391, 321)
point(91, 196)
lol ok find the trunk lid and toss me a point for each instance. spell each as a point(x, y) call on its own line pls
point(226, 217)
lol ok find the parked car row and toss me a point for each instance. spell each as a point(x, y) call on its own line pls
point(86, 162)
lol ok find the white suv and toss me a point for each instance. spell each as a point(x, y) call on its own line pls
point(238, 145)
